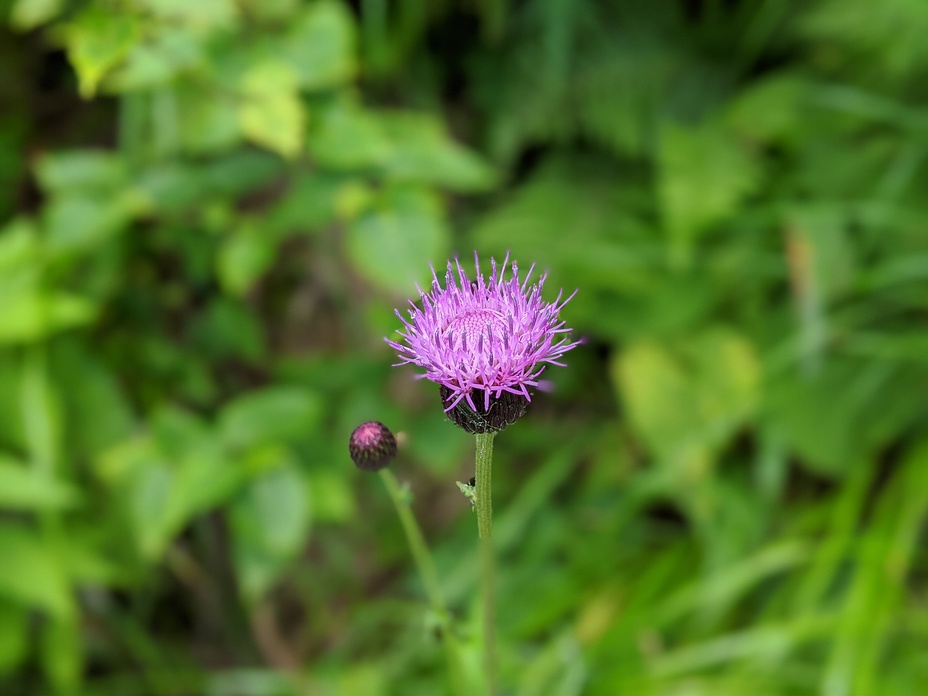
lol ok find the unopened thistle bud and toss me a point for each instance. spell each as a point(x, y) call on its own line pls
point(372, 446)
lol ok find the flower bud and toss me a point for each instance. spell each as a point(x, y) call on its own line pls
point(372, 446)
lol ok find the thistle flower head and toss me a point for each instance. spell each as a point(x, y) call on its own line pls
point(486, 342)
point(372, 446)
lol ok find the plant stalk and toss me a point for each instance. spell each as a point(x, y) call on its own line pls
point(484, 504)
point(427, 571)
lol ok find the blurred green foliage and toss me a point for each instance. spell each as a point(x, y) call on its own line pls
point(210, 209)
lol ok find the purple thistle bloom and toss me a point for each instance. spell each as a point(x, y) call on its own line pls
point(492, 336)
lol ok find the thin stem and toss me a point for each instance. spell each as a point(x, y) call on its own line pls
point(484, 502)
point(427, 571)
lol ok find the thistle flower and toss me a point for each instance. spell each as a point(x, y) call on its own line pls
point(372, 446)
point(484, 342)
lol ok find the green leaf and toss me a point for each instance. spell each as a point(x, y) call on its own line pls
point(148, 499)
point(204, 479)
point(18, 246)
point(28, 14)
point(771, 109)
point(97, 409)
point(308, 204)
point(156, 62)
point(687, 399)
point(331, 496)
point(208, 122)
point(270, 416)
point(32, 315)
point(41, 412)
point(23, 488)
point(320, 45)
point(165, 484)
point(836, 419)
point(84, 171)
point(98, 40)
point(270, 523)
point(14, 634)
point(703, 176)
point(203, 15)
point(345, 136)
point(32, 575)
point(62, 654)
point(272, 113)
point(272, 10)
point(423, 152)
point(228, 328)
point(77, 222)
point(245, 255)
point(393, 244)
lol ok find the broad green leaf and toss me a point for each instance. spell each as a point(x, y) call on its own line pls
point(353, 198)
point(18, 246)
point(203, 16)
point(268, 78)
point(32, 576)
point(239, 172)
point(156, 62)
point(139, 471)
point(228, 328)
point(346, 136)
point(272, 10)
point(81, 171)
point(271, 113)
point(320, 45)
point(331, 496)
point(393, 243)
point(85, 552)
point(98, 413)
point(24, 488)
point(32, 315)
point(208, 122)
point(28, 14)
point(98, 40)
point(703, 174)
point(77, 222)
point(686, 399)
point(887, 40)
point(12, 433)
point(270, 523)
point(422, 151)
point(308, 204)
point(269, 416)
point(148, 499)
point(834, 420)
point(204, 478)
point(62, 654)
point(14, 634)
point(245, 255)
point(276, 123)
point(165, 487)
point(178, 431)
point(771, 109)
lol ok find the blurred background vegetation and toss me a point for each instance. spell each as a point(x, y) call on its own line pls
point(210, 209)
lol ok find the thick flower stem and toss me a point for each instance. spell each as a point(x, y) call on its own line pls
point(484, 503)
point(426, 567)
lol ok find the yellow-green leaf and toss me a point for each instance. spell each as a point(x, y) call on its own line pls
point(97, 41)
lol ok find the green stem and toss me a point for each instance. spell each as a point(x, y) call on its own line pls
point(426, 567)
point(484, 502)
